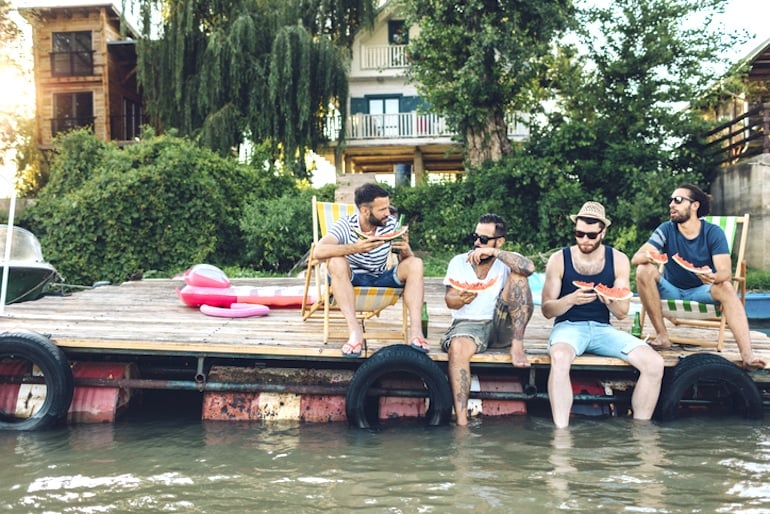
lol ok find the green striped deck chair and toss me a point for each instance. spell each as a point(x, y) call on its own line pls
point(690, 313)
point(370, 301)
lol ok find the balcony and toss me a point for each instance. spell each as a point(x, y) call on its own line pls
point(743, 137)
point(385, 57)
point(406, 125)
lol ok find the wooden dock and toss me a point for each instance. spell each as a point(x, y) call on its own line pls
point(147, 318)
point(146, 326)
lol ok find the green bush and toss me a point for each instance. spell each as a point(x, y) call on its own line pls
point(161, 204)
point(278, 231)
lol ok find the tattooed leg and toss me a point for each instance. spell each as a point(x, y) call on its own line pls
point(518, 298)
point(460, 352)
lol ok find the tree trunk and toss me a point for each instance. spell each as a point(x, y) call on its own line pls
point(487, 142)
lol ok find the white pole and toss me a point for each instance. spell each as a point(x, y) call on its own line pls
point(7, 258)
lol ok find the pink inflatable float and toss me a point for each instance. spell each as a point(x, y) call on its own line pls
point(208, 287)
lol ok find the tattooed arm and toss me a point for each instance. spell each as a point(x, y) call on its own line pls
point(517, 262)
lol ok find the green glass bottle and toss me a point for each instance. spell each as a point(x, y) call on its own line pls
point(636, 328)
point(425, 319)
point(398, 227)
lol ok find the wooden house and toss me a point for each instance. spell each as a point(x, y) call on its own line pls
point(85, 70)
point(390, 128)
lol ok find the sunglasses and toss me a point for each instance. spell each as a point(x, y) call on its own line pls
point(679, 199)
point(590, 235)
point(484, 239)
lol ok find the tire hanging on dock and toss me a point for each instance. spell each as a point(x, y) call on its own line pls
point(39, 352)
point(393, 359)
point(708, 383)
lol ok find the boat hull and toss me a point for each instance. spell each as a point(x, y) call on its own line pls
point(27, 281)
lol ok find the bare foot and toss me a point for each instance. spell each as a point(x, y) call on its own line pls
point(753, 363)
point(518, 356)
point(660, 343)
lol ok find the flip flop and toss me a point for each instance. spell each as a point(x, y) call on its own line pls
point(419, 344)
point(354, 350)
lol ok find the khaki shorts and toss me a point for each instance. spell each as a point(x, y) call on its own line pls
point(491, 333)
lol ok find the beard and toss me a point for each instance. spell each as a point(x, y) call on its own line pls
point(679, 218)
point(375, 222)
point(484, 259)
point(589, 247)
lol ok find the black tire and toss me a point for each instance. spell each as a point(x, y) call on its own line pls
point(707, 384)
point(394, 359)
point(57, 374)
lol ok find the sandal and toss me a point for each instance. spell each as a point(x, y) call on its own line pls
point(420, 344)
point(352, 350)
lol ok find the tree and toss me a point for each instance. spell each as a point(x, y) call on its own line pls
point(475, 61)
point(268, 70)
point(623, 127)
point(9, 38)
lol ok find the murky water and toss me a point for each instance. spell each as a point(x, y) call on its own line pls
point(517, 464)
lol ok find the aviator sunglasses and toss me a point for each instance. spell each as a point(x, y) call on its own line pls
point(484, 239)
point(590, 235)
point(679, 199)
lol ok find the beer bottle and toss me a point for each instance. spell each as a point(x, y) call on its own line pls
point(636, 328)
point(425, 319)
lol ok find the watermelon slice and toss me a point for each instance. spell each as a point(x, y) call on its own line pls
point(613, 293)
point(660, 258)
point(690, 266)
point(473, 287)
point(388, 236)
point(582, 285)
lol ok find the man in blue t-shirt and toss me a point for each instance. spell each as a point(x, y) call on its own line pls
point(582, 322)
point(702, 244)
point(353, 261)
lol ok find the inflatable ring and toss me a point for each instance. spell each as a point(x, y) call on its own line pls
point(398, 358)
point(721, 387)
point(236, 310)
point(28, 349)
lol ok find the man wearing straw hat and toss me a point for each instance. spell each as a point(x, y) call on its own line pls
point(582, 323)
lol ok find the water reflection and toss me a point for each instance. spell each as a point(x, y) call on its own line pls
point(518, 464)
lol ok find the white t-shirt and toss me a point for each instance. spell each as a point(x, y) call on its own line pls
point(483, 306)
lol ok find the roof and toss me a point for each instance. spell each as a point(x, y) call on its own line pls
point(116, 8)
point(758, 62)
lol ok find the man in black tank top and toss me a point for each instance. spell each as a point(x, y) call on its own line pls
point(582, 323)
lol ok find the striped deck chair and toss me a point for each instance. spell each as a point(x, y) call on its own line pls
point(370, 301)
point(691, 313)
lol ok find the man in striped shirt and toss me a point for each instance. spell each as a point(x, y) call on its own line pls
point(364, 262)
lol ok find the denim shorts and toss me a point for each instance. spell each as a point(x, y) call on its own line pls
point(700, 294)
point(493, 333)
point(389, 278)
point(594, 337)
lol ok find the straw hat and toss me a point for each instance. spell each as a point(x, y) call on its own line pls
point(593, 210)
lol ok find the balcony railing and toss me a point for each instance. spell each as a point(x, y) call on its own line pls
point(405, 125)
point(740, 138)
point(383, 57)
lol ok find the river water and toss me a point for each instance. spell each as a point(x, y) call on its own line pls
point(167, 460)
point(513, 464)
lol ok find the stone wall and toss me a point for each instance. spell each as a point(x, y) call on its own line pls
point(742, 188)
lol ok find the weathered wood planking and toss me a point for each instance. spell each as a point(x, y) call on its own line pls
point(148, 318)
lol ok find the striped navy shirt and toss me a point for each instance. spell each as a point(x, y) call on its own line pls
point(374, 262)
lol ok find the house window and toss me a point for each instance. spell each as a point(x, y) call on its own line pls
point(128, 125)
point(398, 34)
point(72, 54)
point(72, 110)
point(383, 113)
